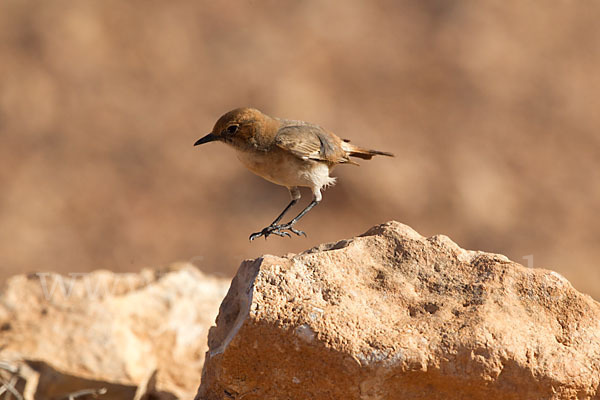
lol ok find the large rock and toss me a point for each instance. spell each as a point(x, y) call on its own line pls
point(129, 335)
point(393, 315)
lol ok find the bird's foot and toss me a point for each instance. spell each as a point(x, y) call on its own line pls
point(278, 230)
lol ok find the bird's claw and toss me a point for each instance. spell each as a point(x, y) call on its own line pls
point(278, 230)
point(297, 231)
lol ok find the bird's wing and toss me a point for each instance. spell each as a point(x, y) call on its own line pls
point(311, 142)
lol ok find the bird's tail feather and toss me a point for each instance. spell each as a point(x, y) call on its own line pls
point(365, 154)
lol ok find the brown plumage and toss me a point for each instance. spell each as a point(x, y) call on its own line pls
point(286, 152)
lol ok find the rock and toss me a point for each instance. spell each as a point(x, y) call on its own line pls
point(128, 334)
point(393, 315)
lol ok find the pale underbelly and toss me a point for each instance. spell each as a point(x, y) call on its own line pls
point(286, 169)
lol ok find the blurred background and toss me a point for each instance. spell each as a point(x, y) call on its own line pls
point(491, 107)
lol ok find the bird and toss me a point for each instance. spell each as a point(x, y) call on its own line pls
point(286, 152)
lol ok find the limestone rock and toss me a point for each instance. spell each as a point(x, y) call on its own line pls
point(393, 315)
point(130, 334)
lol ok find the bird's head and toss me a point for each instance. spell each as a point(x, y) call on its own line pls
point(242, 128)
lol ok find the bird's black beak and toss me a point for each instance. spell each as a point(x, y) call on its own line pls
point(208, 138)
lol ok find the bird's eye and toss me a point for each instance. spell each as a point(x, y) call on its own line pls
point(232, 129)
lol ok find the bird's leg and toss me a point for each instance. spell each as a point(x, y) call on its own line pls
point(279, 229)
point(274, 228)
point(289, 225)
point(285, 210)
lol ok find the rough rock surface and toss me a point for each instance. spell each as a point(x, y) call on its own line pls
point(393, 315)
point(132, 334)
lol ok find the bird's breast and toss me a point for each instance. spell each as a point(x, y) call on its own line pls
point(281, 167)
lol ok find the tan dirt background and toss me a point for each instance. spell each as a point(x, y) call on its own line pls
point(490, 106)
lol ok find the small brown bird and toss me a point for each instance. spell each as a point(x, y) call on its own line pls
point(288, 153)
